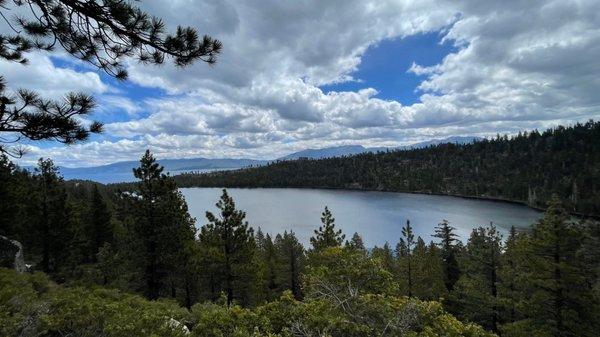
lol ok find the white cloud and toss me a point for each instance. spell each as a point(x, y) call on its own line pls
point(519, 64)
point(41, 75)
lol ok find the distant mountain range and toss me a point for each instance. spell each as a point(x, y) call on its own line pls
point(348, 150)
point(122, 171)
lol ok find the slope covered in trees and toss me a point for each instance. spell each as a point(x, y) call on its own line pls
point(108, 250)
point(528, 167)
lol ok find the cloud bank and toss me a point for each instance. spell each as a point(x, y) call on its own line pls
point(518, 65)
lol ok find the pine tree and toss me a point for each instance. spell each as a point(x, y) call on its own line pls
point(448, 244)
point(326, 235)
point(356, 242)
point(476, 292)
point(432, 271)
point(104, 34)
point(510, 272)
point(589, 255)
point(17, 212)
point(162, 223)
point(408, 235)
point(270, 265)
point(401, 249)
point(230, 241)
point(52, 226)
point(560, 300)
point(385, 255)
point(100, 225)
point(428, 274)
point(7, 204)
point(292, 256)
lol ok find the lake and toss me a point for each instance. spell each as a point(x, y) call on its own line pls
point(377, 216)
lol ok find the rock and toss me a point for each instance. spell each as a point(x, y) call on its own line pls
point(11, 254)
point(177, 325)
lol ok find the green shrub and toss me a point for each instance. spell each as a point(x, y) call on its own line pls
point(31, 305)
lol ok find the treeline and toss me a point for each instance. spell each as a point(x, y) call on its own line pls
point(529, 167)
point(235, 281)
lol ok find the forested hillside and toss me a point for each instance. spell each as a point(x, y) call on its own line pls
point(97, 255)
point(528, 167)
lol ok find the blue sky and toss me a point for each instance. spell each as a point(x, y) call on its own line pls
point(311, 74)
point(384, 66)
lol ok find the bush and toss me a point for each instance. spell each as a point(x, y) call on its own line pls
point(31, 305)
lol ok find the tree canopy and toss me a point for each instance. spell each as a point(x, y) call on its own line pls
point(528, 167)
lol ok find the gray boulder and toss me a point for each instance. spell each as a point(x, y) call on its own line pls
point(11, 254)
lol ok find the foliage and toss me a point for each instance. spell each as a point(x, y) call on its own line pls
point(157, 216)
point(559, 301)
point(228, 245)
point(539, 282)
point(102, 33)
point(341, 272)
point(30, 305)
point(476, 292)
point(327, 235)
point(449, 250)
point(528, 168)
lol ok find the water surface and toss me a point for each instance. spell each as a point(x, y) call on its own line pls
point(377, 216)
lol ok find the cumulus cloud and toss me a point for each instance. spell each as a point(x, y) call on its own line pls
point(50, 81)
point(518, 64)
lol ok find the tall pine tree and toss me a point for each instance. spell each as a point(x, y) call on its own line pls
point(327, 235)
point(52, 226)
point(229, 242)
point(560, 299)
point(448, 245)
point(406, 261)
point(161, 222)
point(100, 224)
point(476, 292)
point(292, 257)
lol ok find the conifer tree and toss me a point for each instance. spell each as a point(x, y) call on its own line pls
point(589, 255)
point(270, 265)
point(385, 255)
point(448, 244)
point(401, 249)
point(476, 292)
point(162, 223)
point(408, 235)
point(327, 235)
point(103, 33)
point(356, 242)
point(52, 229)
point(292, 256)
point(230, 241)
point(100, 225)
point(510, 272)
point(560, 300)
point(430, 273)
point(16, 208)
point(6, 204)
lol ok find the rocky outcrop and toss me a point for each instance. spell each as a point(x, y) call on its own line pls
point(178, 326)
point(11, 254)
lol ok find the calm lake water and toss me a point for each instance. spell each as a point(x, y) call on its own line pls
point(377, 216)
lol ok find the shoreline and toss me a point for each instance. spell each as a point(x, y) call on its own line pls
point(483, 198)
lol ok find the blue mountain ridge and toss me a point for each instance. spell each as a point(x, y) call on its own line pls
point(348, 150)
point(122, 171)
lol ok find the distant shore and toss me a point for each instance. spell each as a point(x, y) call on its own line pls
point(475, 197)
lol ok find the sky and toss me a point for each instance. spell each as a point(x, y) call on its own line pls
point(309, 74)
